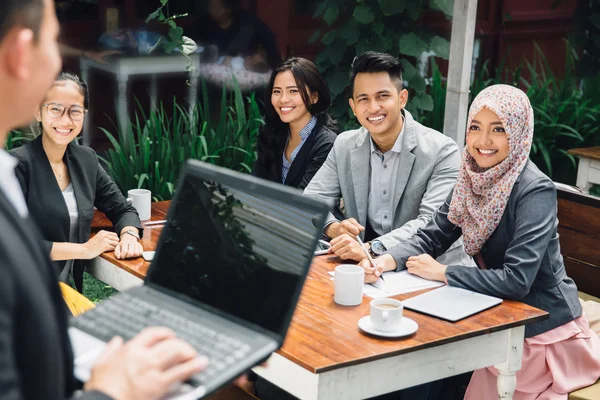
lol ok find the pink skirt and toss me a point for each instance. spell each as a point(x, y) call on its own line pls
point(555, 363)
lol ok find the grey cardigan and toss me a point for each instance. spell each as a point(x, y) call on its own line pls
point(522, 256)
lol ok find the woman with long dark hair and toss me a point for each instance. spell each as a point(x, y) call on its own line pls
point(298, 133)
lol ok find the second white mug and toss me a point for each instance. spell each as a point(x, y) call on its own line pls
point(348, 284)
point(141, 199)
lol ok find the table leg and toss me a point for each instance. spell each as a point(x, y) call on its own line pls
point(193, 89)
point(153, 92)
point(507, 378)
point(87, 123)
point(122, 112)
point(582, 174)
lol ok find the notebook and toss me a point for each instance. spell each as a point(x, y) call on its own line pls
point(228, 270)
point(451, 303)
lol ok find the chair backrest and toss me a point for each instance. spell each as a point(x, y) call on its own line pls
point(76, 302)
point(579, 230)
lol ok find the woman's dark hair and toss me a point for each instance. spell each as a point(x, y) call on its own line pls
point(64, 77)
point(275, 132)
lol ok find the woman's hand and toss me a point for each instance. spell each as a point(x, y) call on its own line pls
point(426, 267)
point(128, 247)
point(103, 241)
point(383, 264)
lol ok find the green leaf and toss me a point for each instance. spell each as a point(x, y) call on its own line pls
point(338, 81)
point(381, 44)
point(164, 2)
point(378, 28)
point(446, 6)
point(321, 60)
point(320, 9)
point(595, 18)
point(363, 14)
point(440, 46)
point(417, 83)
point(350, 31)
point(336, 51)
point(414, 9)
point(392, 7)
point(329, 37)
point(409, 69)
point(313, 38)
point(412, 45)
point(362, 46)
point(423, 101)
point(154, 15)
point(331, 15)
point(168, 47)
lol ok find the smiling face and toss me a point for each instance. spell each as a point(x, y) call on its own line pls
point(377, 104)
point(63, 130)
point(487, 141)
point(287, 100)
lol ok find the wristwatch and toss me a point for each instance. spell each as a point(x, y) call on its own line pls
point(132, 233)
point(377, 248)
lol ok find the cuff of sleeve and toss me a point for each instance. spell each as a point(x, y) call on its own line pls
point(326, 225)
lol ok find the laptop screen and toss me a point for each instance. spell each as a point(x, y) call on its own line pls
point(240, 247)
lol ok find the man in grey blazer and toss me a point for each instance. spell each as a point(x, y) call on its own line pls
point(392, 173)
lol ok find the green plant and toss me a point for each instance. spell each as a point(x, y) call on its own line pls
point(151, 151)
point(15, 139)
point(392, 26)
point(437, 90)
point(175, 36)
point(564, 117)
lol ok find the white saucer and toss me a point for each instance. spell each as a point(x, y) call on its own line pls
point(407, 327)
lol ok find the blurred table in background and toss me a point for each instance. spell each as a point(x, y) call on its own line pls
point(588, 172)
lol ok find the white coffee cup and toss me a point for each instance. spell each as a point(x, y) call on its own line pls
point(348, 285)
point(141, 199)
point(386, 314)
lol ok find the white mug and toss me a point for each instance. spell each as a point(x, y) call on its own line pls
point(348, 285)
point(386, 314)
point(141, 199)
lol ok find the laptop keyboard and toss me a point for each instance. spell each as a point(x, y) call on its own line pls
point(125, 315)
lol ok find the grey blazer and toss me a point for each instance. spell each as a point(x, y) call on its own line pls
point(522, 256)
point(426, 172)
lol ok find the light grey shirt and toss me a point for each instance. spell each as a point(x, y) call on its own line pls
point(9, 183)
point(71, 201)
point(381, 206)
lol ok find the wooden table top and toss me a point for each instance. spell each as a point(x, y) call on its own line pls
point(587, 152)
point(324, 336)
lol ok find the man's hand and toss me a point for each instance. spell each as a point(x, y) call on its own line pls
point(128, 247)
point(146, 367)
point(347, 247)
point(383, 264)
point(426, 267)
point(348, 226)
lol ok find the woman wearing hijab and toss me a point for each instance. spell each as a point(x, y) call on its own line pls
point(504, 208)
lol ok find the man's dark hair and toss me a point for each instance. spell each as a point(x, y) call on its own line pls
point(27, 13)
point(371, 62)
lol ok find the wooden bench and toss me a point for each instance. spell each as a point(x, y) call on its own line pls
point(579, 230)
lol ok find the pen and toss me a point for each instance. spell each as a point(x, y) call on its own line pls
point(160, 222)
point(362, 245)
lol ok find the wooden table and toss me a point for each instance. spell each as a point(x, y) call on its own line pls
point(588, 171)
point(326, 356)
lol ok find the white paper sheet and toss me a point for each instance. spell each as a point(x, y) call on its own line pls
point(396, 283)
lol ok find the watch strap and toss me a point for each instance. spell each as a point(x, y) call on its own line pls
point(132, 233)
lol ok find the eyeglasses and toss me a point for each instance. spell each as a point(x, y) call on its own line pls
point(76, 113)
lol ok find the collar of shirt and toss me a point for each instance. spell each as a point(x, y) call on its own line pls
point(397, 144)
point(305, 132)
point(9, 183)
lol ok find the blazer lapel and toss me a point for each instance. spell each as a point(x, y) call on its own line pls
point(407, 158)
point(360, 167)
point(301, 157)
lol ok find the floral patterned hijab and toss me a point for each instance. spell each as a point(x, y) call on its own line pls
point(480, 195)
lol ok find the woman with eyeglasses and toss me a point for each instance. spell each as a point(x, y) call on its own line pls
point(63, 182)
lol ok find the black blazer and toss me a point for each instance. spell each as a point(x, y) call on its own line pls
point(36, 360)
point(309, 159)
point(92, 186)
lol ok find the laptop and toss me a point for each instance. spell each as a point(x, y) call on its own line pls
point(226, 276)
point(451, 303)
